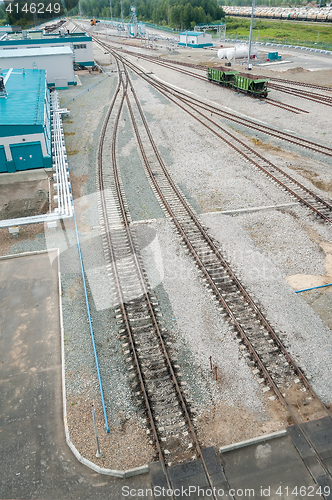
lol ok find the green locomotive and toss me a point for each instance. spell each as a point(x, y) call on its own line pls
point(244, 82)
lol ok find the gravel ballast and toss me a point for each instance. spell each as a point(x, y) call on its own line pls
point(263, 247)
point(266, 248)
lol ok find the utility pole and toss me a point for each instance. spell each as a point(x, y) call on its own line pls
point(250, 35)
point(122, 15)
point(111, 11)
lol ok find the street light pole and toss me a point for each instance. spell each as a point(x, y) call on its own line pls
point(250, 35)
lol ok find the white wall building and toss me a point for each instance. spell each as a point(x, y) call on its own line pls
point(57, 61)
point(196, 39)
point(80, 43)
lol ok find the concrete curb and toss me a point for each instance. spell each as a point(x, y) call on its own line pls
point(248, 442)
point(25, 254)
point(254, 209)
point(108, 472)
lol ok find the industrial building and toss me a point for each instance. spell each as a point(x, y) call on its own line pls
point(195, 39)
point(5, 29)
point(80, 43)
point(57, 61)
point(25, 121)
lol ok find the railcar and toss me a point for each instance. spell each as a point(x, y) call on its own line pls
point(250, 84)
point(243, 82)
point(321, 14)
point(222, 75)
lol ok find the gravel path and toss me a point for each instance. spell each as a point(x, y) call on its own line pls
point(265, 248)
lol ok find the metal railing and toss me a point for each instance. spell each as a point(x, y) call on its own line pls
point(290, 43)
point(60, 163)
point(61, 177)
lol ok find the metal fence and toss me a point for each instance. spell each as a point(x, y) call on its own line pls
point(287, 42)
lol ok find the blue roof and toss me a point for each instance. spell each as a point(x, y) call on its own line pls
point(46, 39)
point(33, 52)
point(192, 33)
point(25, 100)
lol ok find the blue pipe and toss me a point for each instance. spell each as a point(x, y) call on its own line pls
point(73, 98)
point(313, 288)
point(89, 316)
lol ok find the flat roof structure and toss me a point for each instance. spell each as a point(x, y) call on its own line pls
point(81, 42)
point(25, 102)
point(192, 33)
point(46, 39)
point(18, 34)
point(25, 127)
point(34, 51)
point(196, 39)
point(5, 29)
point(57, 61)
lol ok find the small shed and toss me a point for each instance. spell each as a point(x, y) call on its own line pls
point(25, 121)
point(196, 39)
point(57, 61)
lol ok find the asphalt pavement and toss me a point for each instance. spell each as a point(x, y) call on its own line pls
point(36, 462)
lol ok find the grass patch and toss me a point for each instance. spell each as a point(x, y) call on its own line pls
point(284, 31)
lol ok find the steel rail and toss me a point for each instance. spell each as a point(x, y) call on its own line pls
point(221, 299)
point(147, 299)
point(279, 343)
point(319, 99)
point(303, 93)
point(317, 198)
point(301, 84)
point(176, 385)
point(212, 245)
point(286, 404)
point(156, 60)
point(110, 246)
point(286, 107)
point(256, 126)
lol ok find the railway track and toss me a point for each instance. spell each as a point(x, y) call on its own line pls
point(153, 369)
point(318, 148)
point(144, 341)
point(319, 206)
point(301, 84)
point(175, 67)
point(310, 96)
point(277, 370)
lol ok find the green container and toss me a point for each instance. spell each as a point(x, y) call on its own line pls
point(222, 76)
point(273, 56)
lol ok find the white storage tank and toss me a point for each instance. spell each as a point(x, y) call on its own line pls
point(237, 52)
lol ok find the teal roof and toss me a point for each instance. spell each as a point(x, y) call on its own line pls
point(45, 39)
point(33, 52)
point(192, 33)
point(25, 101)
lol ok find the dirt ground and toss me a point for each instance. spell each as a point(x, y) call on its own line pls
point(23, 196)
point(226, 424)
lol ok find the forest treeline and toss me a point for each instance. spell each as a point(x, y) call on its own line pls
point(182, 14)
point(177, 14)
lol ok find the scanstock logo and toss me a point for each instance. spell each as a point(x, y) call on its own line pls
point(26, 14)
